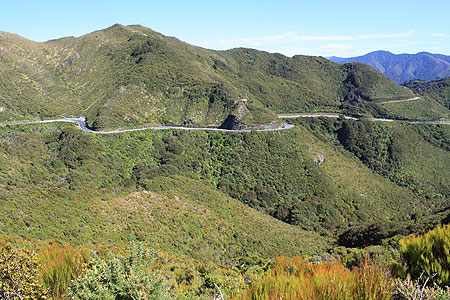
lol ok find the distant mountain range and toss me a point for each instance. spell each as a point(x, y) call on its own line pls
point(404, 67)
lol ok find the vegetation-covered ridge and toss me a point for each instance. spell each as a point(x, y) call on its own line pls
point(215, 206)
point(61, 179)
point(415, 156)
point(125, 76)
point(292, 175)
point(438, 90)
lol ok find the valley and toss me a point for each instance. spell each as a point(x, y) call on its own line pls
point(214, 161)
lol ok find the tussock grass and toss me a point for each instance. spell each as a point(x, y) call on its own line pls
point(297, 279)
point(60, 265)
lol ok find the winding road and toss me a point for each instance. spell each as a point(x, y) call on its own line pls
point(313, 115)
point(331, 115)
point(81, 122)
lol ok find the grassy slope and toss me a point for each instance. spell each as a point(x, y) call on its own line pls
point(415, 156)
point(189, 219)
point(129, 75)
point(433, 104)
point(424, 163)
point(196, 220)
point(49, 197)
point(368, 196)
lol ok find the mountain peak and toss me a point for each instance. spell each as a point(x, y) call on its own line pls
point(380, 52)
point(117, 25)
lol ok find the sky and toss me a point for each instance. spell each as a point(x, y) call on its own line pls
point(323, 27)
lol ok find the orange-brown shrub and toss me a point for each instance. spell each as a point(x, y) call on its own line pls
point(60, 265)
point(297, 279)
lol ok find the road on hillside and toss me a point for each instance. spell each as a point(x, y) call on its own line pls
point(81, 122)
point(315, 115)
point(401, 100)
point(331, 115)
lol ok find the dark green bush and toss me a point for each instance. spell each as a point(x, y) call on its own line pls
point(120, 277)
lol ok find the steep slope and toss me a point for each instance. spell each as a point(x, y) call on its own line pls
point(365, 83)
point(125, 76)
point(411, 155)
point(433, 104)
point(438, 90)
point(196, 220)
point(404, 67)
point(425, 108)
point(415, 156)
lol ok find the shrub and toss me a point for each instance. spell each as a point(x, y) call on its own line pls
point(428, 254)
point(409, 289)
point(19, 275)
point(120, 277)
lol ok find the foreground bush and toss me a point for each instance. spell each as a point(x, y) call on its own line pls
point(413, 290)
point(428, 256)
point(120, 277)
point(297, 279)
point(19, 275)
point(60, 265)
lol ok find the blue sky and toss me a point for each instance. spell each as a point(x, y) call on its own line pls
point(342, 28)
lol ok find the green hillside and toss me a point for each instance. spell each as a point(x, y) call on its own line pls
point(438, 90)
point(274, 172)
point(411, 155)
point(126, 76)
point(423, 109)
point(365, 83)
point(184, 217)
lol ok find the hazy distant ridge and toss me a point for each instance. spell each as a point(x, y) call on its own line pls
point(404, 67)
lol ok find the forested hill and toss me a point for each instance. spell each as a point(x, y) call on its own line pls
point(404, 67)
point(125, 76)
point(437, 89)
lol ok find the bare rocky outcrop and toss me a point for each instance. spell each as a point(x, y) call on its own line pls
point(242, 118)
